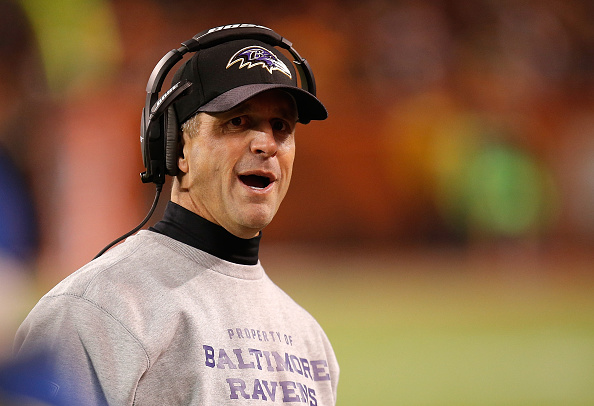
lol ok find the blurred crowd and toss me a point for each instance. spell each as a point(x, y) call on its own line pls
point(451, 122)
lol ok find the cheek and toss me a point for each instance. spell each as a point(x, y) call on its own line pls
point(289, 157)
point(211, 169)
point(287, 168)
point(199, 165)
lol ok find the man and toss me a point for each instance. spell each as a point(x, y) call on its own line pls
point(183, 313)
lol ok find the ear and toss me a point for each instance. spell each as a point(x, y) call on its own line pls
point(185, 144)
point(182, 164)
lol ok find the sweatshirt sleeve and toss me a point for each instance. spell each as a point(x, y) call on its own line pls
point(95, 359)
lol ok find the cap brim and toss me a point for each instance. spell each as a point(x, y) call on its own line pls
point(308, 106)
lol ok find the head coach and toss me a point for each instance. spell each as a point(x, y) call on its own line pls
point(183, 313)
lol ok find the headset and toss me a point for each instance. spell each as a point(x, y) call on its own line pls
point(159, 128)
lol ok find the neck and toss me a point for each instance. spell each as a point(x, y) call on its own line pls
point(191, 229)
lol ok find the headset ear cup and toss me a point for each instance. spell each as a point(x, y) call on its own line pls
point(171, 141)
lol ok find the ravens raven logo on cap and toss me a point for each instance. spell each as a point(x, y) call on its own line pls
point(255, 55)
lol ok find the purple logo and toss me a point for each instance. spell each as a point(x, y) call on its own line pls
point(254, 56)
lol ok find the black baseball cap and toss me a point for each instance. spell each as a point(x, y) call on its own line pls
point(225, 75)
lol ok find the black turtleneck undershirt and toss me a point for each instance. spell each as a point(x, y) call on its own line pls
point(183, 225)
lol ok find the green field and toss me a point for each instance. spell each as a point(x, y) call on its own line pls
point(450, 332)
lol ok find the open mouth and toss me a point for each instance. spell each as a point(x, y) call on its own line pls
point(255, 181)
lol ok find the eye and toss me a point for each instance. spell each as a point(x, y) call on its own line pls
point(238, 121)
point(280, 126)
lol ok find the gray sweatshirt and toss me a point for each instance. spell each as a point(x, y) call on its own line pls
point(157, 322)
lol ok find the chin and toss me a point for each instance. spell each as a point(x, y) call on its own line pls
point(257, 226)
point(258, 220)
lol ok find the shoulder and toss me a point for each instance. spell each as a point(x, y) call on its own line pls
point(115, 289)
point(133, 262)
point(115, 284)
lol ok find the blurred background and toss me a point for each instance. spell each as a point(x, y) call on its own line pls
point(440, 223)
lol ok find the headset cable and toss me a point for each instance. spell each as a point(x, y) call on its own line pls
point(138, 227)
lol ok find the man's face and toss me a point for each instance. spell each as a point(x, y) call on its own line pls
point(236, 167)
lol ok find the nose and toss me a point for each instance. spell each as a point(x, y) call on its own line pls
point(263, 142)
